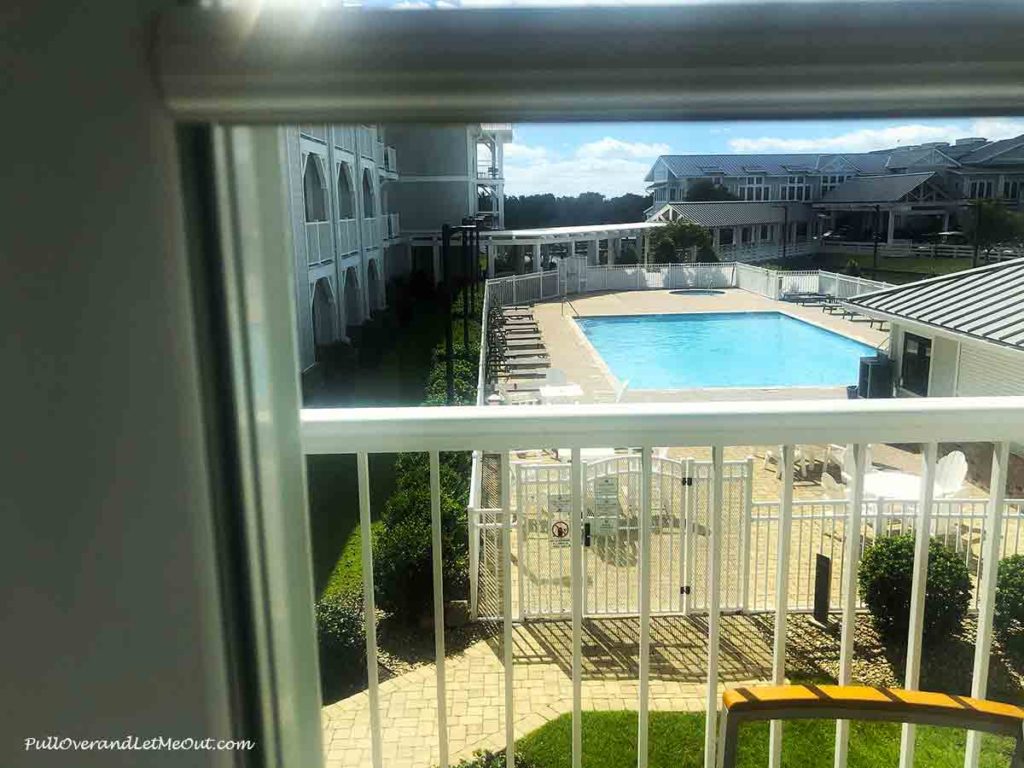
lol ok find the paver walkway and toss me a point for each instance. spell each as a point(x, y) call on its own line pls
point(543, 685)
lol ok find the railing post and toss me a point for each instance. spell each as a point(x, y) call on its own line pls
point(369, 608)
point(917, 595)
point(781, 596)
point(506, 599)
point(748, 511)
point(645, 604)
point(576, 571)
point(435, 526)
point(474, 560)
point(714, 603)
point(851, 558)
point(987, 589)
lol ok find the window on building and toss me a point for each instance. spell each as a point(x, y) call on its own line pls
point(1013, 190)
point(831, 181)
point(314, 191)
point(673, 194)
point(796, 188)
point(747, 234)
point(752, 188)
point(765, 232)
point(725, 236)
point(917, 361)
point(346, 197)
point(801, 230)
point(980, 189)
point(369, 207)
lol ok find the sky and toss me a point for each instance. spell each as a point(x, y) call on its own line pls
point(613, 158)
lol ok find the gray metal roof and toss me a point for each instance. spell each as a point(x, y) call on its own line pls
point(985, 303)
point(772, 165)
point(735, 213)
point(876, 189)
point(865, 163)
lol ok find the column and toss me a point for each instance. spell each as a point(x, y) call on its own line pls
point(892, 225)
point(595, 251)
point(491, 254)
point(945, 221)
point(536, 257)
point(436, 246)
point(614, 243)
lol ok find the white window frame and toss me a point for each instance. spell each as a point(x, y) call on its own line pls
point(217, 66)
point(753, 189)
point(795, 189)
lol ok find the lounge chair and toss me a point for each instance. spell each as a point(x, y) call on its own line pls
point(950, 474)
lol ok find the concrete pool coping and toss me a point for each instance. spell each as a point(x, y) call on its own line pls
point(571, 351)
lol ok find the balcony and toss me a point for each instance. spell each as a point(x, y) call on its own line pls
point(488, 173)
point(348, 236)
point(392, 226)
point(373, 231)
point(366, 141)
point(539, 497)
point(318, 242)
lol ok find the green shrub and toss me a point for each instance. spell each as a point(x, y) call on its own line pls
point(403, 569)
point(341, 640)
point(1009, 614)
point(885, 576)
point(488, 759)
point(852, 268)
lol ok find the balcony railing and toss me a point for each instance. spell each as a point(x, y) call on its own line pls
point(525, 521)
point(393, 229)
point(318, 242)
point(390, 160)
point(344, 137)
point(372, 234)
point(488, 172)
point(348, 236)
point(366, 141)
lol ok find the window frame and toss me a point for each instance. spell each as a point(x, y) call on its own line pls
point(920, 364)
point(222, 67)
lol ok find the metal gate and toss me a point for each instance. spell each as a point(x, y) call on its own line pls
point(680, 491)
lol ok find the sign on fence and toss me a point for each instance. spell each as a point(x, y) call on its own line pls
point(560, 508)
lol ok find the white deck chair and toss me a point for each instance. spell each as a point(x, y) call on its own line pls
point(800, 460)
point(847, 467)
point(832, 489)
point(950, 473)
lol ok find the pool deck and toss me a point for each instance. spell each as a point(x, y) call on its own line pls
point(571, 352)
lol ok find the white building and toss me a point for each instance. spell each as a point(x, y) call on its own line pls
point(357, 223)
point(957, 335)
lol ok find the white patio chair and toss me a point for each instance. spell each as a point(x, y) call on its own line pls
point(847, 467)
point(800, 459)
point(834, 454)
point(832, 489)
point(950, 474)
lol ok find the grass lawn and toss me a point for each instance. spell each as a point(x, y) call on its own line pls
point(898, 270)
point(677, 741)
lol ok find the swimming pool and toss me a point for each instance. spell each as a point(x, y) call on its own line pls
point(723, 349)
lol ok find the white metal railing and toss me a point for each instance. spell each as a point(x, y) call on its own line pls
point(348, 236)
point(576, 277)
point(371, 227)
point(390, 159)
point(318, 242)
point(750, 252)
point(366, 141)
point(928, 421)
point(344, 137)
point(922, 250)
point(378, 153)
point(392, 227)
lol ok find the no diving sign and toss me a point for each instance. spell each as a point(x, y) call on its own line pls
point(560, 508)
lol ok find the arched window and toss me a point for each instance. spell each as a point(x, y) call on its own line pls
point(314, 191)
point(323, 315)
point(369, 204)
point(346, 199)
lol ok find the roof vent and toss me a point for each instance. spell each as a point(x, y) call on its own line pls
point(936, 144)
point(971, 140)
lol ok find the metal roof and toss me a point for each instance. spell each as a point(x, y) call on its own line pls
point(876, 189)
point(986, 303)
point(865, 163)
point(732, 213)
point(567, 232)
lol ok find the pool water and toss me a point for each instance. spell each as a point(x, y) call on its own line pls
point(723, 349)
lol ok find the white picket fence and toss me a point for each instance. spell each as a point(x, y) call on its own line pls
point(575, 277)
point(922, 250)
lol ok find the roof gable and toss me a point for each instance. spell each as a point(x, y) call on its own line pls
point(989, 152)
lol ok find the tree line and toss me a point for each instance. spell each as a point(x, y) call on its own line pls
point(547, 210)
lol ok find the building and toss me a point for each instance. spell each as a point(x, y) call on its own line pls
point(958, 335)
point(358, 223)
point(897, 194)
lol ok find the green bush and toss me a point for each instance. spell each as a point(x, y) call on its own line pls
point(341, 640)
point(852, 268)
point(885, 576)
point(403, 569)
point(488, 759)
point(1009, 614)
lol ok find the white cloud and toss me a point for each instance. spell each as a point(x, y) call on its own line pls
point(609, 166)
point(868, 139)
point(617, 149)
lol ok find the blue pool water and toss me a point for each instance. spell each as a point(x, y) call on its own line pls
point(723, 349)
